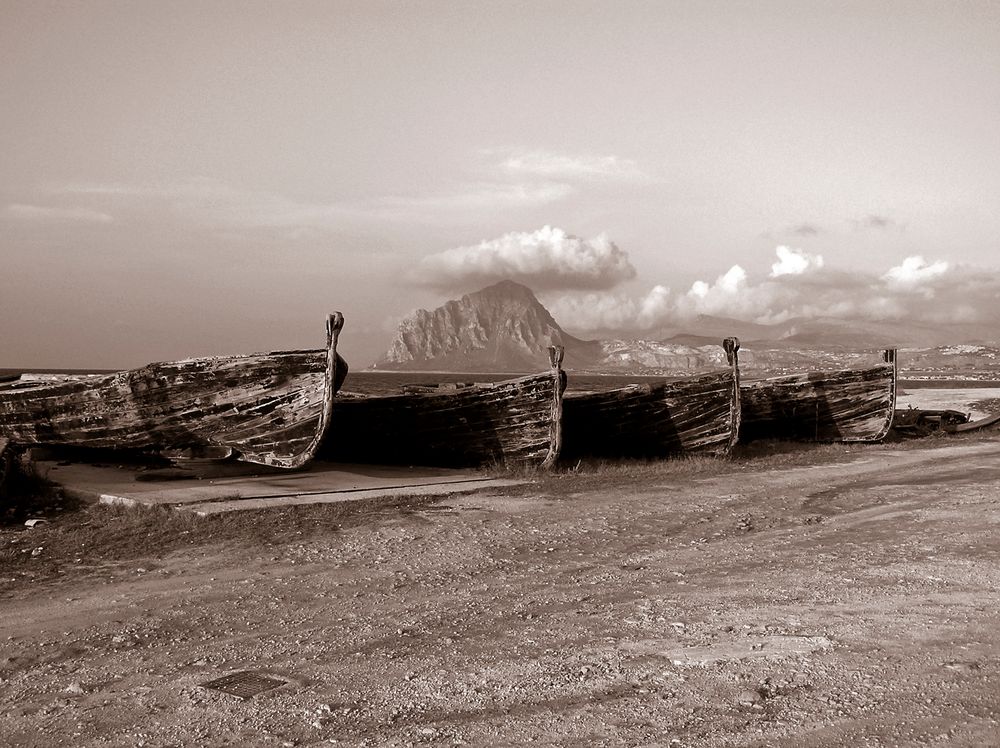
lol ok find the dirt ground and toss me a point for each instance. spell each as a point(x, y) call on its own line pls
point(851, 599)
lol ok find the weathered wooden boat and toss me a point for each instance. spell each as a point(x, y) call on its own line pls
point(847, 405)
point(513, 422)
point(267, 408)
point(699, 414)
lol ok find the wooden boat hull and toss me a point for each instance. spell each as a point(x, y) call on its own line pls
point(514, 422)
point(685, 416)
point(835, 406)
point(270, 408)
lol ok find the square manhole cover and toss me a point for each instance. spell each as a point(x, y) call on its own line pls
point(244, 685)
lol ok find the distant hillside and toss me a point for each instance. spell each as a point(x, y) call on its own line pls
point(504, 328)
point(829, 332)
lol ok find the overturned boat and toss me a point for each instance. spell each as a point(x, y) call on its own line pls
point(512, 422)
point(699, 414)
point(847, 405)
point(266, 408)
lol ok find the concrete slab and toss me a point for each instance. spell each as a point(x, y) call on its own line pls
point(215, 488)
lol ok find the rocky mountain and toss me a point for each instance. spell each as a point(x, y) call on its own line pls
point(500, 328)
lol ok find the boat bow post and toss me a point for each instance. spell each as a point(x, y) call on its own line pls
point(556, 354)
point(333, 377)
point(732, 348)
point(889, 357)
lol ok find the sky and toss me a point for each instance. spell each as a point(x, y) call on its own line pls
point(197, 178)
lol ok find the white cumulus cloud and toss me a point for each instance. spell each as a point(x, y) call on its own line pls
point(543, 259)
point(914, 271)
point(804, 289)
point(794, 261)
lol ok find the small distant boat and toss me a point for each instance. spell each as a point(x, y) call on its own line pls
point(699, 414)
point(267, 408)
point(847, 405)
point(916, 422)
point(512, 422)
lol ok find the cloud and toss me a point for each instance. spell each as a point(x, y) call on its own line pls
point(216, 203)
point(915, 271)
point(804, 288)
point(46, 213)
point(794, 262)
point(548, 165)
point(805, 229)
point(544, 259)
point(480, 196)
point(727, 284)
point(874, 222)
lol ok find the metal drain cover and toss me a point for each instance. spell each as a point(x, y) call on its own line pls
point(243, 685)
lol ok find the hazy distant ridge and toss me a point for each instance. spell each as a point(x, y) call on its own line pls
point(505, 328)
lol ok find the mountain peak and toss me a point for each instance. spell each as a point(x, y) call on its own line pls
point(506, 288)
point(502, 327)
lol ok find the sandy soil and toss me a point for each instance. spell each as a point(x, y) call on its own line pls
point(854, 602)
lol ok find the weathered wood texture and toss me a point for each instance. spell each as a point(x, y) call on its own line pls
point(6, 455)
point(683, 416)
point(512, 422)
point(270, 408)
point(844, 406)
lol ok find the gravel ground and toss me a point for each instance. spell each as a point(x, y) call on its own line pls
point(851, 602)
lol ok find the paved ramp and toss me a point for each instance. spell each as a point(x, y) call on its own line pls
point(211, 489)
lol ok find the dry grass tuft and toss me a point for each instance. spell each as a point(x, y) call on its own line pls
point(26, 493)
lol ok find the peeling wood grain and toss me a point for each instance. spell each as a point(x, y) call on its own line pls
point(270, 408)
point(684, 416)
point(514, 422)
point(845, 406)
